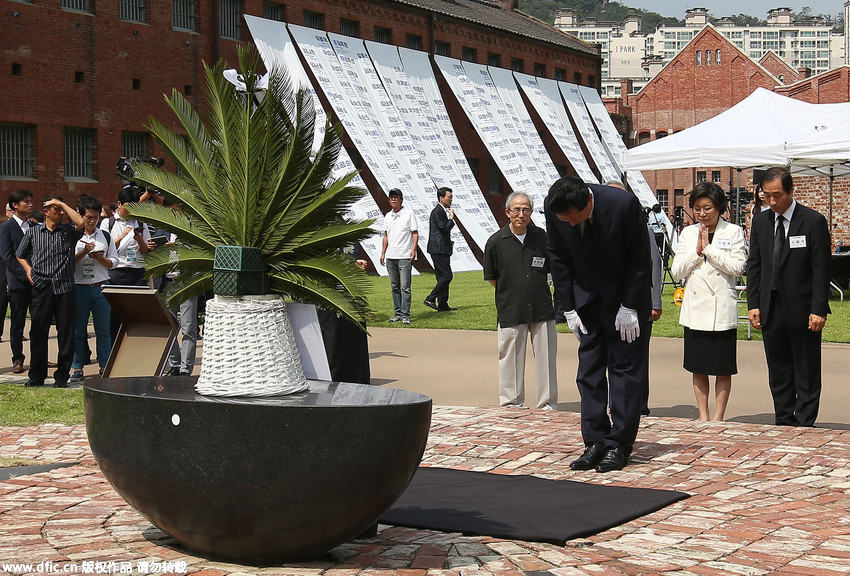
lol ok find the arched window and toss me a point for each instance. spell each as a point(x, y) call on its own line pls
point(643, 137)
point(660, 135)
point(708, 57)
point(699, 58)
point(717, 57)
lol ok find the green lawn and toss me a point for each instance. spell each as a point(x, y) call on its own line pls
point(31, 406)
point(473, 297)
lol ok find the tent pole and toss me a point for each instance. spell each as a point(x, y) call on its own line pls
point(738, 199)
point(831, 178)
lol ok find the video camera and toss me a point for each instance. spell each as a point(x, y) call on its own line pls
point(124, 170)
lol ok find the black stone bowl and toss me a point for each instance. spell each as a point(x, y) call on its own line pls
point(257, 479)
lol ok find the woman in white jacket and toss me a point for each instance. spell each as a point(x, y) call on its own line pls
point(710, 255)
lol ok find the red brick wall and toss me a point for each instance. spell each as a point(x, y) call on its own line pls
point(51, 45)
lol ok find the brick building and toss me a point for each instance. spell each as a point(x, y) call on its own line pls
point(82, 77)
point(707, 77)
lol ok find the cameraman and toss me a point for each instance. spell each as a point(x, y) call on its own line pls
point(132, 241)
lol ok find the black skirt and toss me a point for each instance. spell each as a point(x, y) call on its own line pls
point(712, 353)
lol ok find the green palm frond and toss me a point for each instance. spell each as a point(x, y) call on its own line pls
point(247, 177)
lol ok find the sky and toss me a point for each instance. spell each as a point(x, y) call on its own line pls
point(720, 8)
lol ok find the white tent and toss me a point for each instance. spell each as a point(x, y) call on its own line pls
point(826, 153)
point(752, 133)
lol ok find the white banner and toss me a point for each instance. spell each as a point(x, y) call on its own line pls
point(546, 100)
point(614, 144)
point(483, 107)
point(546, 172)
point(273, 43)
point(426, 121)
point(584, 124)
point(382, 131)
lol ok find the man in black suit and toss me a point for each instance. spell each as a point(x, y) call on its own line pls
point(440, 248)
point(20, 290)
point(788, 296)
point(600, 262)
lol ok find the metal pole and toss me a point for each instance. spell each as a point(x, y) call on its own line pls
point(738, 199)
point(831, 178)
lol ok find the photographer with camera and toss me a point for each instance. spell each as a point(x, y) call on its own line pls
point(132, 241)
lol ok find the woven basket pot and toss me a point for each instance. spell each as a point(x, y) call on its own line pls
point(249, 349)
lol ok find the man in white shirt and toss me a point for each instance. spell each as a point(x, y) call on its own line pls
point(95, 255)
point(132, 241)
point(401, 236)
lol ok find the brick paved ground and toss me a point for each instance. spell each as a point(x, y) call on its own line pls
point(766, 500)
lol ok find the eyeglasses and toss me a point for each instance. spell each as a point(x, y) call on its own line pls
point(519, 211)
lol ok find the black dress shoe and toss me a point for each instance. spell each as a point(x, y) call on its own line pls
point(614, 459)
point(446, 308)
point(591, 457)
point(33, 383)
point(430, 305)
point(60, 384)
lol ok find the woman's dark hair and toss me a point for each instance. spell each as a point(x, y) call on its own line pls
point(711, 191)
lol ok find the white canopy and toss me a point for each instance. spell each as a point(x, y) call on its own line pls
point(754, 132)
point(824, 153)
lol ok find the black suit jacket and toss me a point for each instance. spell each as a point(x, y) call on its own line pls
point(10, 236)
point(803, 271)
point(614, 268)
point(440, 231)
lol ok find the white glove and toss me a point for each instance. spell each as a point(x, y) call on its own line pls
point(574, 322)
point(627, 324)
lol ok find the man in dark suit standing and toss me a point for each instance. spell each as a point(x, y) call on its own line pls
point(788, 296)
point(440, 248)
point(20, 290)
point(601, 270)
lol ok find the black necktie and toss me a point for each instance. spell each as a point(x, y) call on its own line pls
point(587, 230)
point(778, 246)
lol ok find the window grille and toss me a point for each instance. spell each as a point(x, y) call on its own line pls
point(272, 11)
point(183, 15)
point(314, 20)
point(443, 49)
point(16, 150)
point(414, 42)
point(229, 17)
point(81, 5)
point(131, 10)
point(349, 27)
point(79, 153)
point(135, 145)
point(383, 35)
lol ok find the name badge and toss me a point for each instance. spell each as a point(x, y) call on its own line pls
point(538, 262)
point(797, 241)
point(724, 243)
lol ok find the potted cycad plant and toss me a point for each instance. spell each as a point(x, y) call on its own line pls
point(280, 477)
point(260, 218)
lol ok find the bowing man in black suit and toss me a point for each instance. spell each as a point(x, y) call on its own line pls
point(601, 266)
point(20, 290)
point(441, 222)
point(788, 297)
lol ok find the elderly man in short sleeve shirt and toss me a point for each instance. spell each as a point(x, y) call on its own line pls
point(517, 265)
point(46, 254)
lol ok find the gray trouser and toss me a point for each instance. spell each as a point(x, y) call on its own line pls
point(183, 356)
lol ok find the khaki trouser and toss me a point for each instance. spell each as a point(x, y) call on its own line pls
point(544, 346)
